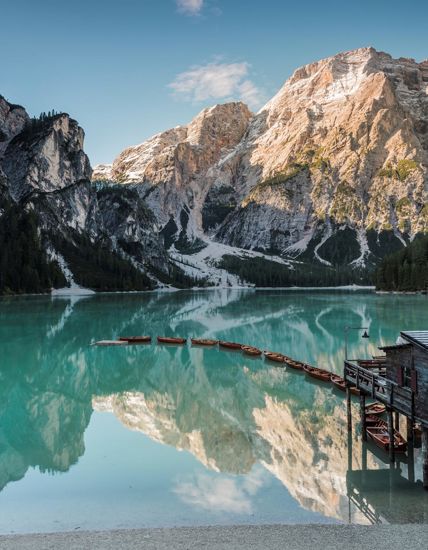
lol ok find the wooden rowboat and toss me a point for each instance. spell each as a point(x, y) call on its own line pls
point(319, 374)
point(168, 340)
point(373, 420)
point(380, 437)
point(293, 364)
point(338, 382)
point(203, 342)
point(111, 343)
point(375, 408)
point(229, 345)
point(249, 350)
point(136, 339)
point(272, 356)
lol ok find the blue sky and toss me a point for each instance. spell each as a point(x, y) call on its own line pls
point(130, 68)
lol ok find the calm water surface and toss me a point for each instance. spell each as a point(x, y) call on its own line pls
point(95, 438)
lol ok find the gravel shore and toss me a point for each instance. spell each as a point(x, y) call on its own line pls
point(272, 537)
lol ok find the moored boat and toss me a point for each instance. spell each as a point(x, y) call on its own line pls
point(297, 365)
point(170, 340)
point(110, 343)
point(380, 437)
point(373, 420)
point(338, 382)
point(375, 408)
point(229, 345)
point(136, 339)
point(273, 356)
point(203, 342)
point(250, 350)
point(319, 374)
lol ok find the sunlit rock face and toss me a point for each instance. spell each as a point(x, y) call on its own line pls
point(342, 145)
point(175, 167)
point(345, 140)
point(102, 173)
point(48, 158)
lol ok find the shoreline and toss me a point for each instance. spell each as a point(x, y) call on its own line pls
point(252, 537)
point(86, 293)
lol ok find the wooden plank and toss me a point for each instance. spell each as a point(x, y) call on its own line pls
point(425, 457)
point(363, 416)
point(349, 408)
point(391, 436)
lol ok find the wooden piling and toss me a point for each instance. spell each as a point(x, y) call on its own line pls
point(363, 416)
point(350, 452)
point(397, 421)
point(425, 457)
point(391, 435)
point(410, 431)
point(349, 408)
point(410, 449)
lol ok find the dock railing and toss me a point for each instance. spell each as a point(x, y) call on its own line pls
point(378, 387)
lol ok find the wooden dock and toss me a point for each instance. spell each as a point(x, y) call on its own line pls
point(399, 380)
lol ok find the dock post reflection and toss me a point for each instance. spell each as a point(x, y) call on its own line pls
point(349, 408)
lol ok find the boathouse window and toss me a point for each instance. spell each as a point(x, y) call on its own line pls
point(407, 377)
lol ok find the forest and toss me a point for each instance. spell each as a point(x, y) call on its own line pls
point(267, 273)
point(24, 266)
point(405, 270)
point(96, 266)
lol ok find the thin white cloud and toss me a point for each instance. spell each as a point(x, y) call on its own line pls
point(190, 7)
point(222, 493)
point(215, 81)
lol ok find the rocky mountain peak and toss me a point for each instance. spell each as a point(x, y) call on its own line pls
point(198, 145)
point(46, 156)
point(13, 118)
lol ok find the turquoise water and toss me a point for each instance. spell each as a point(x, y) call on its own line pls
point(96, 438)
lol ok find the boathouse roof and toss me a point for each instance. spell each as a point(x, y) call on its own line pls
point(395, 347)
point(419, 337)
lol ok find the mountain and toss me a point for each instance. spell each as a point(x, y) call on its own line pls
point(80, 233)
point(314, 189)
point(332, 171)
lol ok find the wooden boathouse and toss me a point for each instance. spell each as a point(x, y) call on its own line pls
point(399, 380)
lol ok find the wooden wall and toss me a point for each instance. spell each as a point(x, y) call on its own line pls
point(416, 359)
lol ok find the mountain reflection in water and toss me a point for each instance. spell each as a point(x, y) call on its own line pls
point(240, 417)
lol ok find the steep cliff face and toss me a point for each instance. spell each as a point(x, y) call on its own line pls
point(44, 170)
point(332, 170)
point(13, 118)
point(46, 156)
point(343, 144)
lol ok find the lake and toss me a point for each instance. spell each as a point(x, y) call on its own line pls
point(150, 435)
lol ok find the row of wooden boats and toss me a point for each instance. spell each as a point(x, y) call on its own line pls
point(314, 372)
point(249, 350)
